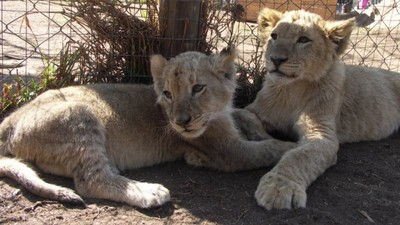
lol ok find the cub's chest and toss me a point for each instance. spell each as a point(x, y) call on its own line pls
point(281, 105)
point(280, 108)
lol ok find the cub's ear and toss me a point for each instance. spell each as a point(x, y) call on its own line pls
point(339, 33)
point(224, 62)
point(267, 19)
point(157, 65)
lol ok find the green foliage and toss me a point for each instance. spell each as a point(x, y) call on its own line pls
point(60, 72)
point(57, 73)
point(17, 93)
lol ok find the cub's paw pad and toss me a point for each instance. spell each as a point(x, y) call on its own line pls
point(149, 195)
point(279, 192)
point(196, 159)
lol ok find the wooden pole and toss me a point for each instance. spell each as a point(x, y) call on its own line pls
point(180, 24)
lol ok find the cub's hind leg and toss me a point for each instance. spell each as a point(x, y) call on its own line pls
point(98, 179)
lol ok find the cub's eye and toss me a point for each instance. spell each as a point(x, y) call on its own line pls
point(197, 88)
point(274, 36)
point(167, 94)
point(303, 39)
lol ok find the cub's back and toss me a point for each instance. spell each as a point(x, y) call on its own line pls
point(106, 100)
point(371, 105)
point(120, 108)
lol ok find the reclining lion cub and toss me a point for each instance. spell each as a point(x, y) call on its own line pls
point(91, 132)
point(309, 95)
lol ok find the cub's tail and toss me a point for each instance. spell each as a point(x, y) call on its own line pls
point(28, 178)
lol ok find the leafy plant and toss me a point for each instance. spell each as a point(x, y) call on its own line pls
point(17, 93)
point(58, 72)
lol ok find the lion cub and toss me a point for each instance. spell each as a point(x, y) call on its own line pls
point(91, 132)
point(309, 95)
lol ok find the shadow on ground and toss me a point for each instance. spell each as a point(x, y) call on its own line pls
point(362, 188)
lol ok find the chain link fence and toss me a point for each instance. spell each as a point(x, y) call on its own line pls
point(47, 44)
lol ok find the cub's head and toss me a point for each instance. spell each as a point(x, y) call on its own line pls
point(301, 45)
point(194, 88)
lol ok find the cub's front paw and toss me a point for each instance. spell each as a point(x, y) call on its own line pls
point(147, 195)
point(197, 159)
point(250, 125)
point(276, 191)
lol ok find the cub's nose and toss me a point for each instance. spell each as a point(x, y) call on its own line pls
point(183, 120)
point(277, 60)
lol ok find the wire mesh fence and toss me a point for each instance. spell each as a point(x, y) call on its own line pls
point(47, 44)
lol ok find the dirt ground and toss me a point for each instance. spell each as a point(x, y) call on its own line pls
point(362, 188)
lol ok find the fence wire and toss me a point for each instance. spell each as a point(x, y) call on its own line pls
point(110, 40)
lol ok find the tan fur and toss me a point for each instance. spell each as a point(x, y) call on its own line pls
point(91, 132)
point(310, 95)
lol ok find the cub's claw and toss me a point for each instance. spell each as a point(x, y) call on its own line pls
point(279, 192)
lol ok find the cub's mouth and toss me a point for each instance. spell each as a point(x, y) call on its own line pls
point(191, 130)
point(192, 133)
point(279, 73)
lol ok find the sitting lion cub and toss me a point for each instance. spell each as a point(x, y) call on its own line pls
point(309, 95)
point(91, 132)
